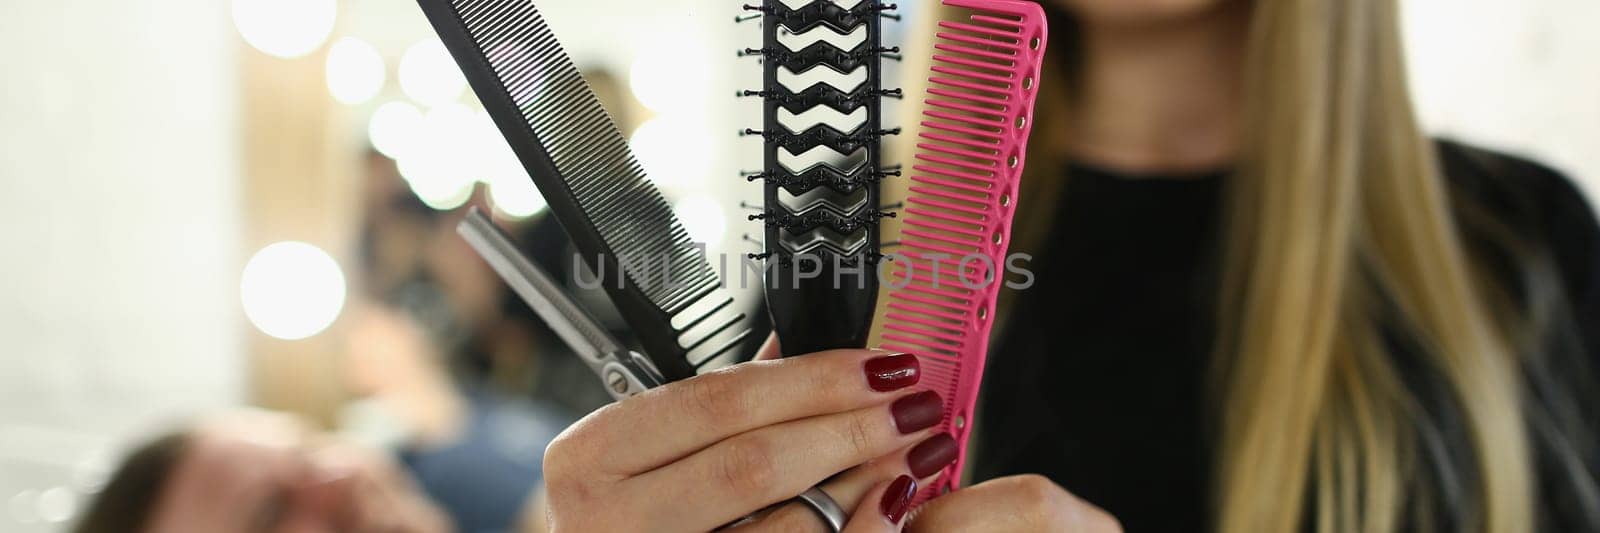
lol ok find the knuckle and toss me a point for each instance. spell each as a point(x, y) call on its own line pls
point(717, 397)
point(858, 432)
point(747, 466)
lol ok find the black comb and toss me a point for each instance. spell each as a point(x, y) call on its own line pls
point(622, 227)
point(821, 123)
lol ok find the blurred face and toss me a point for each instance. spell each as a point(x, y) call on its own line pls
point(1135, 11)
point(267, 473)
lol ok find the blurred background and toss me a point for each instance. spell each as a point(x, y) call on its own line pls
point(206, 204)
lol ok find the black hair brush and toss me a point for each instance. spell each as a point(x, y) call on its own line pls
point(822, 130)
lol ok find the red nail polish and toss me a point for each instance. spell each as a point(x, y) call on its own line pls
point(897, 500)
point(932, 455)
point(917, 412)
point(893, 372)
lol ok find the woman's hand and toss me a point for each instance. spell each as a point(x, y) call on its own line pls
point(1023, 504)
point(702, 453)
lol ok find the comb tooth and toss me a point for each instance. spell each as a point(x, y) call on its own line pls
point(930, 332)
point(924, 322)
point(952, 184)
point(954, 71)
point(925, 310)
point(959, 152)
point(965, 245)
point(945, 206)
point(971, 236)
point(979, 41)
point(959, 95)
point(931, 191)
point(987, 134)
point(937, 247)
point(958, 106)
point(974, 28)
point(932, 158)
point(927, 288)
point(973, 63)
point(1008, 58)
point(919, 256)
point(987, 146)
point(713, 334)
point(929, 343)
point(943, 216)
point(1009, 22)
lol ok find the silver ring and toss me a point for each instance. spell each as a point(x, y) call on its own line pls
point(823, 504)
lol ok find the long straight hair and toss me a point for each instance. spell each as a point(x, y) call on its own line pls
point(1339, 230)
point(1338, 207)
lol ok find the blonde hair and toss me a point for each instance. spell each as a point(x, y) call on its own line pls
point(1336, 204)
point(1338, 224)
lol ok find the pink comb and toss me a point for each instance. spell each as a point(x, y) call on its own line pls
point(957, 218)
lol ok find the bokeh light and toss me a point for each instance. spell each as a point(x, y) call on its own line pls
point(511, 193)
point(703, 218)
point(355, 71)
point(674, 151)
point(292, 290)
point(443, 164)
point(285, 28)
point(670, 78)
point(395, 128)
point(58, 504)
point(429, 75)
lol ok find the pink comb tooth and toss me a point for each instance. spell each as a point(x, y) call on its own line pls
point(995, 127)
point(958, 106)
point(988, 146)
point(950, 184)
point(971, 63)
point(966, 167)
point(987, 177)
point(974, 28)
point(1002, 104)
point(1004, 81)
point(984, 134)
point(972, 51)
point(1011, 23)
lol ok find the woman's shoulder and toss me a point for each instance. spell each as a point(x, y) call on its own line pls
point(1539, 205)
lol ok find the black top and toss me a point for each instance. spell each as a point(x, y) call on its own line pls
point(1098, 379)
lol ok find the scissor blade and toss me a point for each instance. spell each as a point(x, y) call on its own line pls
point(576, 327)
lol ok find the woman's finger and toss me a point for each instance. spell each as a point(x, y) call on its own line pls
point(668, 423)
point(770, 349)
point(1021, 504)
point(893, 502)
point(772, 464)
point(924, 461)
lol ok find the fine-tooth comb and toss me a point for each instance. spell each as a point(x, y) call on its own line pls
point(821, 126)
point(956, 223)
point(661, 282)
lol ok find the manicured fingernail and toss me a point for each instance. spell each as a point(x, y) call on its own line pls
point(897, 500)
point(893, 372)
point(932, 455)
point(917, 412)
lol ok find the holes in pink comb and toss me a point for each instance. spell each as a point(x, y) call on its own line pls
point(1033, 44)
point(1027, 83)
point(1022, 122)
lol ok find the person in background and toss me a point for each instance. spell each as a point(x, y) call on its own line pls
point(259, 472)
